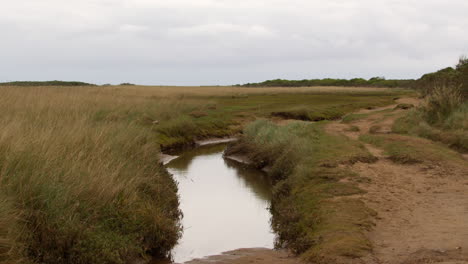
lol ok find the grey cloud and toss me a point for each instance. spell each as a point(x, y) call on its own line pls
point(224, 42)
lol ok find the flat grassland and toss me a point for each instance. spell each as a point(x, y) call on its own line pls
point(80, 179)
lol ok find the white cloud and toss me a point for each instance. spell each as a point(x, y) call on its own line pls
point(221, 28)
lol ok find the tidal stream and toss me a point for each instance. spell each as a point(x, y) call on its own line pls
point(225, 205)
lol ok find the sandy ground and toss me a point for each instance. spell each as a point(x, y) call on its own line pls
point(422, 209)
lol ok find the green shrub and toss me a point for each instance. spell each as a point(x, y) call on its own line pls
point(441, 102)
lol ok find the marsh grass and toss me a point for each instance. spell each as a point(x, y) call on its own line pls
point(79, 177)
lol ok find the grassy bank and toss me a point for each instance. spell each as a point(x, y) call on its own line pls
point(79, 177)
point(313, 208)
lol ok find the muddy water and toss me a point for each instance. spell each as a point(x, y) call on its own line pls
point(224, 204)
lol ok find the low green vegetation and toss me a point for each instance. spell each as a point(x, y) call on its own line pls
point(314, 212)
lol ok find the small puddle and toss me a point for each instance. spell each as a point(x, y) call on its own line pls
point(225, 204)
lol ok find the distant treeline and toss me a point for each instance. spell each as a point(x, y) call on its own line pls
point(457, 76)
point(450, 76)
point(356, 82)
point(46, 83)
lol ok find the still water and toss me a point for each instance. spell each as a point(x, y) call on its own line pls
point(225, 205)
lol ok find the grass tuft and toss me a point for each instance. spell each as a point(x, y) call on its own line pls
point(442, 102)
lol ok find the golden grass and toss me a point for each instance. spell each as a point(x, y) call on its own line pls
point(82, 186)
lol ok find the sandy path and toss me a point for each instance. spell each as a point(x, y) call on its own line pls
point(422, 209)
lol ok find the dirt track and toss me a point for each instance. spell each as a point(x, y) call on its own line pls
point(422, 209)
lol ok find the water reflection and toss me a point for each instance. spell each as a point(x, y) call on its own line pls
point(224, 204)
point(257, 181)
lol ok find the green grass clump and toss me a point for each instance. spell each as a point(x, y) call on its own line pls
point(442, 102)
point(312, 214)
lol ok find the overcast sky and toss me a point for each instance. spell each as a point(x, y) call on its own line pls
point(203, 42)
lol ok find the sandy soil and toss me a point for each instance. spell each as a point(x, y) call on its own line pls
point(422, 209)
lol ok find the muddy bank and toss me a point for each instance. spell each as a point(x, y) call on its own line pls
point(243, 256)
point(169, 154)
point(166, 158)
point(250, 255)
point(193, 143)
point(213, 141)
